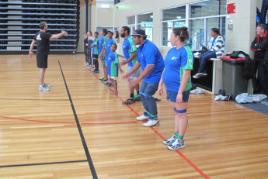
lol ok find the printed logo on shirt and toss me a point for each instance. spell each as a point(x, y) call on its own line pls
point(173, 58)
point(38, 37)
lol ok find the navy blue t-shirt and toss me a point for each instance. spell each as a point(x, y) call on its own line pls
point(148, 54)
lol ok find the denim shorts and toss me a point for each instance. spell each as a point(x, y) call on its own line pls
point(171, 96)
point(135, 74)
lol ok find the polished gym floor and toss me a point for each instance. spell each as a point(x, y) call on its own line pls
point(81, 130)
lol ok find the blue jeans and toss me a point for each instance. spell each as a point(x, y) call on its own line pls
point(147, 90)
point(204, 57)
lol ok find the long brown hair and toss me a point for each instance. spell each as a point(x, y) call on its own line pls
point(182, 33)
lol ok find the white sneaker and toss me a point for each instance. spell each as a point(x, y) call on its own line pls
point(151, 123)
point(199, 75)
point(47, 86)
point(142, 117)
point(170, 140)
point(43, 88)
point(198, 91)
point(177, 144)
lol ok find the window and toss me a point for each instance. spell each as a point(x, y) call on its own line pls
point(131, 23)
point(208, 8)
point(145, 22)
point(197, 37)
point(218, 22)
point(202, 16)
point(200, 30)
point(174, 17)
point(131, 20)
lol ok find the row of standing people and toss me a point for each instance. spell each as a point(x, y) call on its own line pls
point(174, 72)
point(147, 72)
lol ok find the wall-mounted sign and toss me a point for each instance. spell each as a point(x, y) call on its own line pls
point(231, 7)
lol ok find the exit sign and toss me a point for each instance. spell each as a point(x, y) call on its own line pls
point(231, 8)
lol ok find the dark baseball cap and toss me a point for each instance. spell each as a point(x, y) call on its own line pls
point(139, 32)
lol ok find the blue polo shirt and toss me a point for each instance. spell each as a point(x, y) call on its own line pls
point(148, 54)
point(108, 44)
point(128, 49)
point(176, 62)
point(100, 43)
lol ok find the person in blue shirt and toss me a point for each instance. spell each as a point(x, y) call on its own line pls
point(106, 51)
point(176, 77)
point(101, 44)
point(114, 67)
point(151, 62)
point(129, 50)
point(95, 52)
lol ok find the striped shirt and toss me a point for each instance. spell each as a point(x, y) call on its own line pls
point(217, 45)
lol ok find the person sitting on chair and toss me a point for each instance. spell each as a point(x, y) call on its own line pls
point(215, 49)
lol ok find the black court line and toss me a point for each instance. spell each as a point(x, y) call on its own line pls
point(38, 164)
point(83, 140)
point(33, 99)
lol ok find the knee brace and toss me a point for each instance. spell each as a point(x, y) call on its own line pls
point(180, 111)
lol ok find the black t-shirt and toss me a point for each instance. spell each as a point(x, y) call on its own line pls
point(42, 39)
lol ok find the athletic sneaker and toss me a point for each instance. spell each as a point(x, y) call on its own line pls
point(137, 98)
point(170, 140)
point(103, 79)
point(96, 71)
point(46, 86)
point(199, 75)
point(129, 101)
point(142, 117)
point(43, 88)
point(151, 123)
point(177, 144)
point(87, 64)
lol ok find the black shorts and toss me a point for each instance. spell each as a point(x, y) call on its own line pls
point(41, 60)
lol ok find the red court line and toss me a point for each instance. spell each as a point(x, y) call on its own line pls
point(70, 123)
point(159, 134)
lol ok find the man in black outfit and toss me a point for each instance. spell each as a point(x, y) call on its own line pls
point(260, 47)
point(42, 38)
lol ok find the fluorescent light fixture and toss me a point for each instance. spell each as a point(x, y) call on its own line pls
point(105, 6)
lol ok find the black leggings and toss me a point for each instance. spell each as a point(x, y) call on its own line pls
point(96, 62)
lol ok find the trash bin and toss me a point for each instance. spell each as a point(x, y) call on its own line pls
point(233, 82)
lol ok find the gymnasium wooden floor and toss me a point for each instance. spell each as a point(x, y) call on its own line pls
point(40, 136)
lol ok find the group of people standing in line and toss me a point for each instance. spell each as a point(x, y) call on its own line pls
point(147, 73)
point(147, 70)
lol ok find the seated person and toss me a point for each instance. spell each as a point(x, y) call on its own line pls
point(215, 49)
